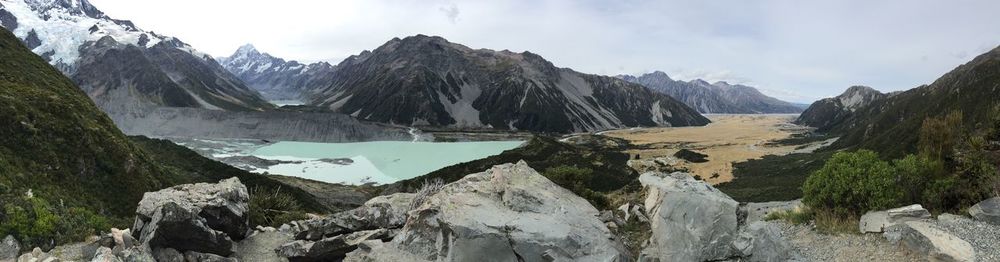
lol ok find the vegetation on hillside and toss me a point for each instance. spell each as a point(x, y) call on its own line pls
point(953, 169)
point(772, 178)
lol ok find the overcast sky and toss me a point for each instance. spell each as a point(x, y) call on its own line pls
point(794, 50)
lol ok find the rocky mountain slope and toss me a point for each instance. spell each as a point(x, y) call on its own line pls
point(428, 81)
point(121, 66)
point(889, 125)
point(719, 98)
point(275, 78)
point(830, 112)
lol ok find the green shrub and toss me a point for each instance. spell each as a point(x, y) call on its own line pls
point(37, 223)
point(273, 208)
point(914, 173)
point(575, 179)
point(852, 183)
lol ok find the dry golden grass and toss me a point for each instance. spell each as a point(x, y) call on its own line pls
point(728, 139)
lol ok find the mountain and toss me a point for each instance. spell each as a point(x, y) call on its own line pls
point(890, 125)
point(428, 81)
point(121, 66)
point(828, 113)
point(720, 97)
point(65, 170)
point(275, 78)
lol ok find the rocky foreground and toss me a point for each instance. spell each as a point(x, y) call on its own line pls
point(512, 213)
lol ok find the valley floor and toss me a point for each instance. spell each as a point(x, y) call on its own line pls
point(728, 139)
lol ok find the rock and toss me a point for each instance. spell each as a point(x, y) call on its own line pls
point(90, 249)
point(261, 246)
point(639, 212)
point(762, 241)
point(937, 245)
point(507, 213)
point(135, 254)
point(379, 212)
point(690, 220)
point(104, 254)
point(625, 210)
point(987, 211)
point(878, 221)
point(9, 248)
point(328, 249)
point(167, 255)
point(202, 217)
point(758, 211)
point(192, 256)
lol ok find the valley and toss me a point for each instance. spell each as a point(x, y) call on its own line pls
point(727, 140)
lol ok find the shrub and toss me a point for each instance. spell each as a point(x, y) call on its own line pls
point(938, 136)
point(575, 179)
point(851, 183)
point(796, 216)
point(914, 173)
point(430, 187)
point(273, 208)
point(36, 223)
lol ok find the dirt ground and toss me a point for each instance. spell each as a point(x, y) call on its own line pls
point(728, 139)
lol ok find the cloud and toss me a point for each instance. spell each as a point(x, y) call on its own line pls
point(451, 12)
point(812, 48)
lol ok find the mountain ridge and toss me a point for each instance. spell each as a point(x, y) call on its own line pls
point(718, 97)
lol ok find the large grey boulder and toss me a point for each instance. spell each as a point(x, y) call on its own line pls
point(9, 248)
point(690, 220)
point(923, 238)
point(203, 217)
point(878, 221)
point(987, 211)
point(507, 213)
point(379, 212)
point(762, 241)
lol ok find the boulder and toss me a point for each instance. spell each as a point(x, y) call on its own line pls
point(507, 213)
point(762, 241)
point(104, 254)
point(167, 255)
point(987, 211)
point(379, 212)
point(878, 221)
point(192, 256)
point(9, 248)
point(328, 249)
point(202, 217)
point(690, 220)
point(922, 238)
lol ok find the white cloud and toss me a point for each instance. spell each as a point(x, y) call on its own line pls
point(807, 49)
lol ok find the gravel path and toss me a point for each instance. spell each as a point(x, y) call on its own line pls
point(984, 237)
point(814, 246)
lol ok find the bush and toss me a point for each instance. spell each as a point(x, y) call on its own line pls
point(851, 183)
point(273, 208)
point(914, 173)
point(36, 223)
point(574, 179)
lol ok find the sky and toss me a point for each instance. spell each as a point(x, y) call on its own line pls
point(798, 51)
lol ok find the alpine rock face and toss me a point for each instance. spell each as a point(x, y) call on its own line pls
point(428, 81)
point(275, 78)
point(120, 66)
point(830, 112)
point(720, 97)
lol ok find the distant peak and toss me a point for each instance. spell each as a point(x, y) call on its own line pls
point(659, 74)
point(78, 7)
point(700, 82)
point(722, 83)
point(247, 48)
point(860, 89)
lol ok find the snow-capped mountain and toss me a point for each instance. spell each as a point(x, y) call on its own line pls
point(119, 65)
point(719, 97)
point(428, 81)
point(830, 112)
point(274, 78)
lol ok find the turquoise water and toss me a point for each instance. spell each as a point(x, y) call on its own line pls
point(379, 162)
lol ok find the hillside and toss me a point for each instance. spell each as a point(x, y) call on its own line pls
point(828, 113)
point(889, 125)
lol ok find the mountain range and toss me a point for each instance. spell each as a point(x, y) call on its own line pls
point(889, 123)
point(275, 78)
point(120, 65)
point(719, 97)
point(429, 81)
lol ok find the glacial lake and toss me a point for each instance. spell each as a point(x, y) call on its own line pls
point(379, 162)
